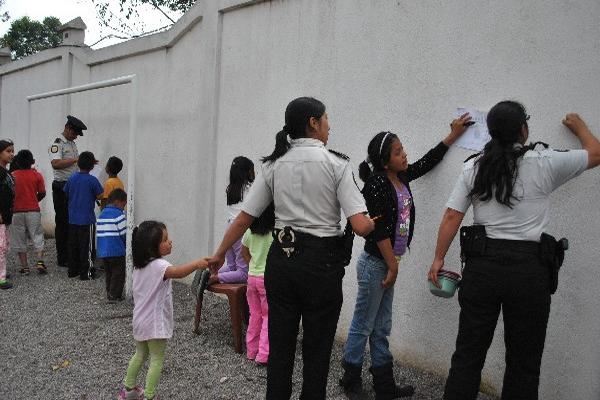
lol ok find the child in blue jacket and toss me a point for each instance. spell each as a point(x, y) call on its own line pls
point(111, 229)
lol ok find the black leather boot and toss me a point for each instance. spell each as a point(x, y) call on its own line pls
point(385, 386)
point(352, 380)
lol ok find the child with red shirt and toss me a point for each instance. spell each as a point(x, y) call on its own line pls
point(27, 220)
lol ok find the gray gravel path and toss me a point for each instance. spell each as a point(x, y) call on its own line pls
point(60, 339)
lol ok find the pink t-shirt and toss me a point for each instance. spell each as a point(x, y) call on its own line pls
point(152, 295)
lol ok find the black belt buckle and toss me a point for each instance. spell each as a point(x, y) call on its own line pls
point(287, 240)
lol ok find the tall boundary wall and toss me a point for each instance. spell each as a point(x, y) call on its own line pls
point(216, 85)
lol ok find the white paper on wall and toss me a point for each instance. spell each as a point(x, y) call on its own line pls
point(476, 136)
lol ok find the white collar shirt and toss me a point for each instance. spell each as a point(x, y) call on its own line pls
point(539, 174)
point(309, 186)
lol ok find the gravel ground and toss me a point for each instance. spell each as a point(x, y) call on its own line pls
point(62, 340)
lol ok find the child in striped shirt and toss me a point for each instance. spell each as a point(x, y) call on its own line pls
point(110, 233)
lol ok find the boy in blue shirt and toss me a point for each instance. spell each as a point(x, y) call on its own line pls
point(111, 229)
point(82, 190)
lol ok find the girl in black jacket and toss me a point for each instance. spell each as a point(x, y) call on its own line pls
point(386, 174)
point(7, 197)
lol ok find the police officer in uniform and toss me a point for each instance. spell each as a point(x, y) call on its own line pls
point(63, 158)
point(305, 266)
point(506, 266)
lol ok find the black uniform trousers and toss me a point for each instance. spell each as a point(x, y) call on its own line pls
point(61, 219)
point(309, 286)
point(114, 269)
point(508, 276)
point(81, 249)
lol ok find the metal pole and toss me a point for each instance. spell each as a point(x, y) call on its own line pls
point(131, 186)
point(82, 88)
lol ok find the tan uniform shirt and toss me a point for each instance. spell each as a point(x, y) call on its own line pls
point(62, 149)
point(309, 186)
point(540, 172)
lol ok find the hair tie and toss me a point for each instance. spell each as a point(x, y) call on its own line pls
point(286, 129)
point(382, 142)
point(368, 162)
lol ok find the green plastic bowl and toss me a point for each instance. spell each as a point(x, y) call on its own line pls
point(448, 287)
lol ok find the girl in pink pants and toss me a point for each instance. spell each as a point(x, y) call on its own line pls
point(255, 247)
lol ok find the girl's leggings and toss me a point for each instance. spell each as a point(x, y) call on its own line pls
point(3, 250)
point(156, 348)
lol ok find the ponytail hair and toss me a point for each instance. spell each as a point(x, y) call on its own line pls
point(379, 151)
point(145, 242)
point(297, 117)
point(497, 167)
point(265, 222)
point(241, 174)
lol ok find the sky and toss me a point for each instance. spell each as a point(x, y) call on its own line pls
point(67, 10)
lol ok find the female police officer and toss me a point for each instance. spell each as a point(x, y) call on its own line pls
point(508, 186)
point(304, 271)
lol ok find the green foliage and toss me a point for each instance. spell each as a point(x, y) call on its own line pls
point(26, 36)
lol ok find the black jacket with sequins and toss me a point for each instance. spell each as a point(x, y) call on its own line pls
point(381, 199)
point(7, 196)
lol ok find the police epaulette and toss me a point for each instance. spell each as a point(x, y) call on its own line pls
point(57, 140)
point(472, 156)
point(340, 155)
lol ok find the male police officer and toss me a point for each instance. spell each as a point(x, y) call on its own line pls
point(63, 157)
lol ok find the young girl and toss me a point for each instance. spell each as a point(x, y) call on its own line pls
point(235, 270)
point(387, 193)
point(153, 311)
point(27, 220)
point(255, 247)
point(7, 197)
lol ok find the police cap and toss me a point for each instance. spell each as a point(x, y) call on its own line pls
point(76, 124)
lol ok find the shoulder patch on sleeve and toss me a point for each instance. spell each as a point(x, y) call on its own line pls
point(340, 155)
point(57, 140)
point(54, 149)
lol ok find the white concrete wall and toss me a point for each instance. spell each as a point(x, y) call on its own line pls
point(217, 84)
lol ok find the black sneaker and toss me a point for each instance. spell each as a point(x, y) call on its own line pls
point(6, 285)
point(41, 268)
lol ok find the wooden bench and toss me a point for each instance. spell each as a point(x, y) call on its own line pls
point(238, 309)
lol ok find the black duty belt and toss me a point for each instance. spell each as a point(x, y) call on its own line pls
point(522, 246)
point(290, 240)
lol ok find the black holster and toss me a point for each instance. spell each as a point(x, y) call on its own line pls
point(472, 241)
point(552, 254)
point(345, 245)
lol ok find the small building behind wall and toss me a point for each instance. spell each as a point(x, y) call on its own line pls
point(216, 84)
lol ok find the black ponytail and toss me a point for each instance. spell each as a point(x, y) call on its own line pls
point(497, 167)
point(379, 152)
point(297, 116)
point(281, 146)
point(145, 242)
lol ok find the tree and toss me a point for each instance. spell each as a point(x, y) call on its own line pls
point(123, 17)
point(26, 36)
point(4, 16)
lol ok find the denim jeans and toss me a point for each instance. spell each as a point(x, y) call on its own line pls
point(372, 318)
